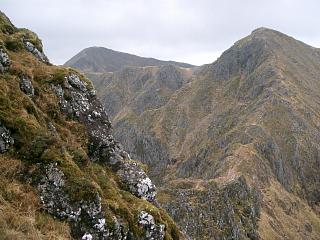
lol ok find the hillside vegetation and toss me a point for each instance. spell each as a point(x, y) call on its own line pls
point(62, 174)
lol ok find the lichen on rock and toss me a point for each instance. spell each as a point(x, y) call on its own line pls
point(26, 85)
point(78, 101)
point(137, 181)
point(153, 231)
point(4, 60)
point(86, 216)
point(35, 51)
point(5, 139)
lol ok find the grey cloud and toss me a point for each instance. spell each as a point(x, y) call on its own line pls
point(193, 31)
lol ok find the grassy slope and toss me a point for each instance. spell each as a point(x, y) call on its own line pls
point(35, 144)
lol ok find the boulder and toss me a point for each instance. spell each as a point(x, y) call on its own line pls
point(153, 231)
point(5, 139)
point(26, 86)
point(4, 61)
point(35, 51)
point(137, 181)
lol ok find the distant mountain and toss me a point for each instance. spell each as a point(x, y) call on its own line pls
point(235, 145)
point(102, 60)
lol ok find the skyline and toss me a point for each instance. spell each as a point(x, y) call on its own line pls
point(185, 31)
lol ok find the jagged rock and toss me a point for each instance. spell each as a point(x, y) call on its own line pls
point(26, 86)
point(119, 230)
point(4, 60)
point(52, 128)
point(87, 236)
point(137, 181)
point(218, 212)
point(35, 51)
point(5, 139)
point(75, 81)
point(153, 231)
point(85, 216)
point(83, 104)
point(170, 77)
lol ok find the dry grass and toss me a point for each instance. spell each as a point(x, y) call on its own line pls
point(20, 214)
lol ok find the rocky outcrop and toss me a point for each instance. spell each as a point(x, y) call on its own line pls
point(228, 212)
point(87, 184)
point(4, 60)
point(77, 100)
point(137, 181)
point(145, 147)
point(85, 216)
point(35, 51)
point(26, 86)
point(5, 139)
point(170, 76)
point(153, 231)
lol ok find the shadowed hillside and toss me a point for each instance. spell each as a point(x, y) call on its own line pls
point(102, 60)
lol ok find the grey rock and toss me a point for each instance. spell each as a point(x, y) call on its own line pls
point(26, 86)
point(36, 52)
point(4, 61)
point(142, 145)
point(170, 77)
point(137, 181)
point(75, 81)
point(153, 231)
point(86, 217)
point(52, 128)
point(198, 211)
point(87, 236)
point(77, 101)
point(5, 139)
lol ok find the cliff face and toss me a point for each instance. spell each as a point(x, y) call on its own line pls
point(63, 175)
point(236, 144)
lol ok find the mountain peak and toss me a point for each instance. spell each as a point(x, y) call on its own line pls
point(101, 59)
point(263, 30)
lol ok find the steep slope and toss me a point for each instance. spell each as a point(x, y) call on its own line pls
point(236, 147)
point(62, 173)
point(103, 60)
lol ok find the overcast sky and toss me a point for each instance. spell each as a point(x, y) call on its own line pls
point(193, 31)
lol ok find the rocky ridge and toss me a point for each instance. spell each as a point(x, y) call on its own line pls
point(103, 60)
point(252, 115)
point(63, 143)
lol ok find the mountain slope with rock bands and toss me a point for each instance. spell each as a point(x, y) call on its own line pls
point(235, 147)
point(62, 173)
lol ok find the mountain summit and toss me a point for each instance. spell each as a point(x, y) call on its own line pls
point(235, 148)
point(100, 59)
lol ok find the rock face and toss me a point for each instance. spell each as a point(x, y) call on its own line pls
point(26, 86)
point(85, 216)
point(83, 105)
point(137, 181)
point(35, 51)
point(148, 88)
point(153, 231)
point(214, 211)
point(5, 139)
point(4, 60)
